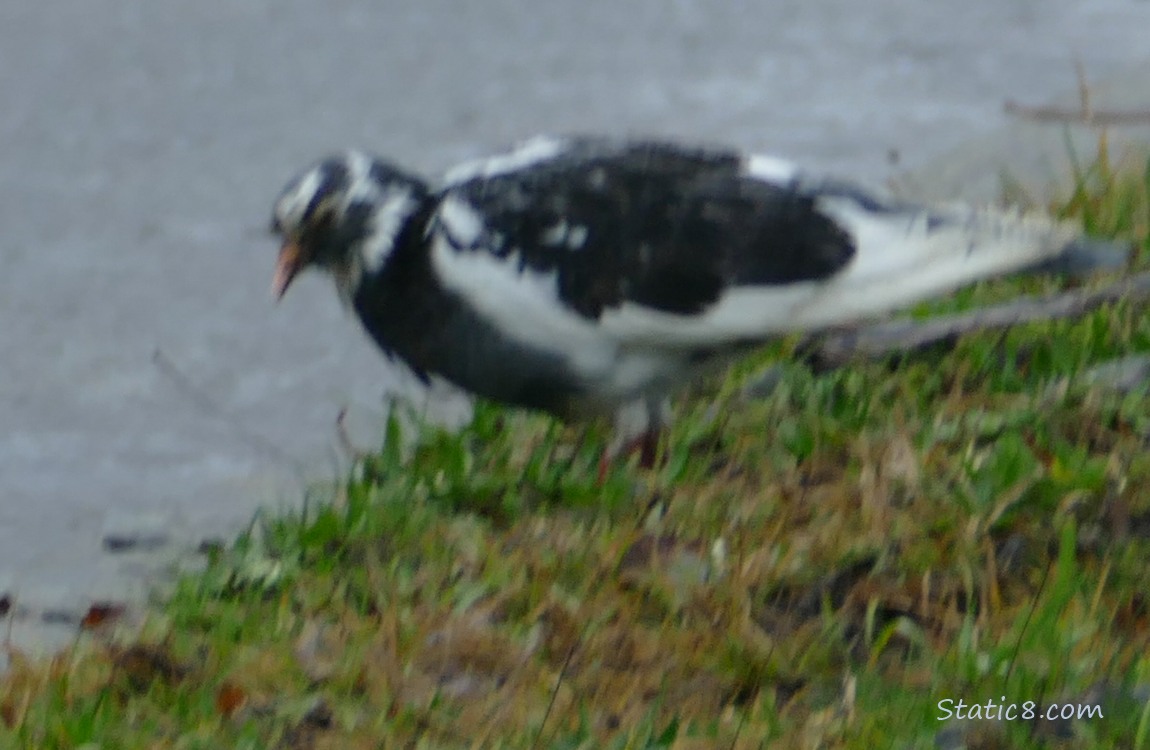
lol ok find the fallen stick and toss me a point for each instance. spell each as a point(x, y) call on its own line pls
point(828, 351)
point(209, 405)
point(1080, 115)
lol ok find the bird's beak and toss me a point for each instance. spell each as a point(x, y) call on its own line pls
point(289, 264)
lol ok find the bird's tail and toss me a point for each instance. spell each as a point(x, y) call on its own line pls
point(905, 254)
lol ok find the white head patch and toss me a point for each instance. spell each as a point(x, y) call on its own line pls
point(356, 186)
point(292, 206)
point(360, 188)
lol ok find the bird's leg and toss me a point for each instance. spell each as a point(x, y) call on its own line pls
point(649, 447)
point(604, 467)
point(646, 445)
point(638, 428)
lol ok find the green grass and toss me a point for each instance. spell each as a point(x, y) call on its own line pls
point(819, 567)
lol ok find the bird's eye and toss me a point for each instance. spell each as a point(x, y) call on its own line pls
point(274, 228)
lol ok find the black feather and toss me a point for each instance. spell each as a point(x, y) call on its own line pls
point(653, 224)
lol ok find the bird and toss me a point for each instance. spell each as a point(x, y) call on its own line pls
point(588, 276)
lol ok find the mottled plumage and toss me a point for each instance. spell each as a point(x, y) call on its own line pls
point(583, 276)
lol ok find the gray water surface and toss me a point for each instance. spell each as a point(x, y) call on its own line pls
point(141, 145)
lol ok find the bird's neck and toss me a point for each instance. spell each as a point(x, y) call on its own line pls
point(371, 234)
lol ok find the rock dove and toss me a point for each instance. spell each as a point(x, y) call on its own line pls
point(585, 276)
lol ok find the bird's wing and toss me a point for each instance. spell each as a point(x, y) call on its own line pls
point(654, 245)
point(599, 227)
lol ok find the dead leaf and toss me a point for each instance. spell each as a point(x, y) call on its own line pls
point(102, 613)
point(230, 698)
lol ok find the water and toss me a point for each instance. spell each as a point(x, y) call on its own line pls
point(144, 142)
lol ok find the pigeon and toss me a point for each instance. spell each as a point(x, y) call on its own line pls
point(586, 276)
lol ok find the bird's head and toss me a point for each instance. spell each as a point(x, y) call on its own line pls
point(342, 215)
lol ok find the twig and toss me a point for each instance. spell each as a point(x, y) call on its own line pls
point(1085, 114)
point(208, 404)
point(830, 351)
point(345, 441)
point(555, 692)
point(1103, 117)
point(1026, 622)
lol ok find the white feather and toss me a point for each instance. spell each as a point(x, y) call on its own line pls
point(556, 234)
point(523, 303)
point(529, 153)
point(901, 258)
point(577, 237)
point(525, 306)
point(769, 169)
point(388, 218)
point(461, 221)
point(907, 257)
point(372, 251)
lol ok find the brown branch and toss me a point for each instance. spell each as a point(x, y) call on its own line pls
point(830, 351)
point(1082, 115)
point(1085, 114)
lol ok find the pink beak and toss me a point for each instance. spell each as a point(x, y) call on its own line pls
point(288, 265)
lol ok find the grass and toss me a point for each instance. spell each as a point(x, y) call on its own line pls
point(822, 566)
